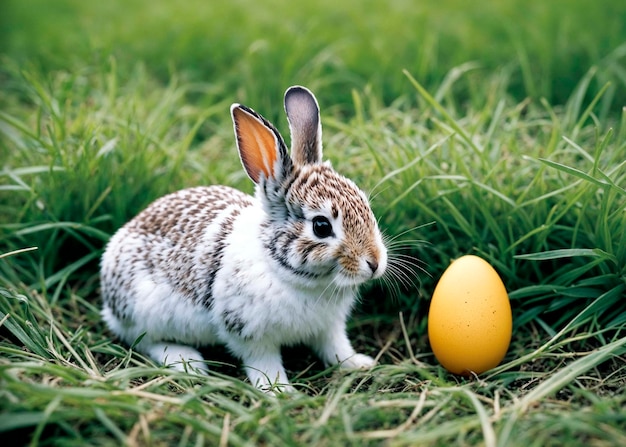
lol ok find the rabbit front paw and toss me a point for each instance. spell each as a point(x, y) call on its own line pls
point(358, 361)
point(179, 357)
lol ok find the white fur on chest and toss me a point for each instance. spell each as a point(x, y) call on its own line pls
point(250, 291)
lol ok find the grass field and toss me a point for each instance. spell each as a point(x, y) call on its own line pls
point(492, 128)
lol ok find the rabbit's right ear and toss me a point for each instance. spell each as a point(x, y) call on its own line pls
point(261, 148)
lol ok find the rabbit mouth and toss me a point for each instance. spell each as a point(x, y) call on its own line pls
point(357, 270)
point(346, 278)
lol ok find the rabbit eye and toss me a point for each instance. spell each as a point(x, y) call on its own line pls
point(322, 227)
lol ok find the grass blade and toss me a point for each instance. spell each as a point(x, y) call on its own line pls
point(564, 376)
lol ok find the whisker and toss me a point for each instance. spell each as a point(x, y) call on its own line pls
point(403, 268)
point(323, 293)
point(407, 258)
point(400, 272)
point(357, 296)
point(401, 275)
point(391, 286)
point(402, 233)
point(409, 261)
point(407, 243)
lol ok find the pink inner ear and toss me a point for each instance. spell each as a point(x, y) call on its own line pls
point(257, 145)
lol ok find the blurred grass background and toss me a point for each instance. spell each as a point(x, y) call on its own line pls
point(251, 51)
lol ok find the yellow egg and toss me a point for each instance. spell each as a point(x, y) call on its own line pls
point(469, 321)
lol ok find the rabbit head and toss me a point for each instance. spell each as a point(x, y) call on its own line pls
point(320, 228)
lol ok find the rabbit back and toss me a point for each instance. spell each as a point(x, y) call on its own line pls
point(160, 268)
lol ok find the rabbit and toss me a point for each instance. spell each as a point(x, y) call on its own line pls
point(213, 265)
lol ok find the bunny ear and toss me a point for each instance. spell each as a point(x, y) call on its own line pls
point(261, 148)
point(303, 115)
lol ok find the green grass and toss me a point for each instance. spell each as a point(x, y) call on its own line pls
point(495, 128)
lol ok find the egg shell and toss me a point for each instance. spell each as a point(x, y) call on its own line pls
point(470, 321)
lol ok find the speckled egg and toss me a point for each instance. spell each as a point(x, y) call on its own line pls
point(470, 321)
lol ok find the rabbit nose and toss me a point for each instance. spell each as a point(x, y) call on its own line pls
point(373, 266)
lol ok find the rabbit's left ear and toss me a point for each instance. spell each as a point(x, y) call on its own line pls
point(303, 115)
point(261, 148)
